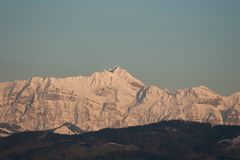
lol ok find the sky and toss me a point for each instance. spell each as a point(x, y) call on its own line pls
point(172, 44)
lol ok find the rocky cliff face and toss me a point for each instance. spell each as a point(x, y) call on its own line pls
point(112, 98)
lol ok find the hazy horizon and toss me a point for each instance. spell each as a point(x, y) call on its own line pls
point(168, 43)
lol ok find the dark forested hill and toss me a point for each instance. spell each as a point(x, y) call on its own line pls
point(164, 140)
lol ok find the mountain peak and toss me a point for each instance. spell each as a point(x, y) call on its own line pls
point(203, 89)
point(123, 73)
point(115, 68)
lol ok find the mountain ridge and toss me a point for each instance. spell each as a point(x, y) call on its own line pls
point(111, 98)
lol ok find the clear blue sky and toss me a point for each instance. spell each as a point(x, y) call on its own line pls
point(169, 43)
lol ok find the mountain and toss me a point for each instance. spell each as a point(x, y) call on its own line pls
point(168, 140)
point(67, 128)
point(8, 129)
point(109, 99)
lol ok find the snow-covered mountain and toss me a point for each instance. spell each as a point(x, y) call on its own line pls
point(112, 98)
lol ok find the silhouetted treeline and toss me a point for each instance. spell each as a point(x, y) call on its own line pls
point(163, 140)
